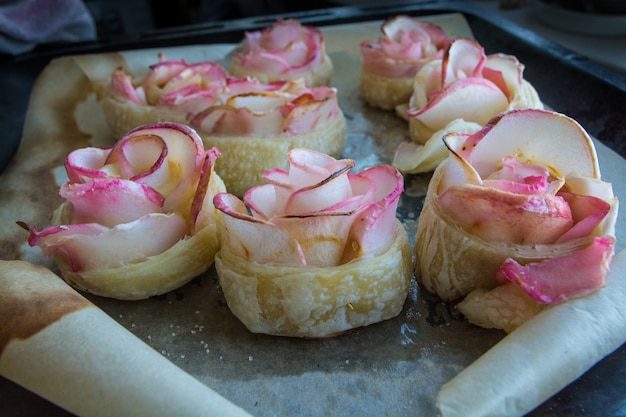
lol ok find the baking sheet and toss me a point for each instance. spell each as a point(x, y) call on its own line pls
point(393, 368)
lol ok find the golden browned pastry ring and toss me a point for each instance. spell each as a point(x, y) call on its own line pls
point(385, 92)
point(122, 116)
point(451, 262)
point(153, 276)
point(313, 301)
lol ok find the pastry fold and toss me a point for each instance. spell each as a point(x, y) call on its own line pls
point(316, 250)
point(255, 125)
point(168, 92)
point(458, 92)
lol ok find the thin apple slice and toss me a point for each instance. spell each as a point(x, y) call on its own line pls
point(473, 99)
point(548, 138)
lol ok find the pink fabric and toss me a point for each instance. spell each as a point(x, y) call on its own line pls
point(26, 23)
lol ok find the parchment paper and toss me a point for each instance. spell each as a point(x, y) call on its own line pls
point(394, 368)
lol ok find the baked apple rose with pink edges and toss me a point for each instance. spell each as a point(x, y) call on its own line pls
point(169, 91)
point(138, 218)
point(459, 92)
point(390, 63)
point(254, 125)
point(517, 219)
point(316, 250)
point(287, 50)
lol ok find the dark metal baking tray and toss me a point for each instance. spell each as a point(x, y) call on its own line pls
point(569, 83)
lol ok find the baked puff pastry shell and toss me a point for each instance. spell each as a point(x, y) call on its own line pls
point(255, 125)
point(537, 237)
point(138, 219)
point(155, 275)
point(287, 50)
point(168, 92)
point(316, 301)
point(385, 92)
point(390, 63)
point(122, 115)
point(315, 251)
point(452, 262)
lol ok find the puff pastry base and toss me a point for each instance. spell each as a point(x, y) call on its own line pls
point(316, 302)
point(451, 262)
point(385, 92)
point(122, 116)
point(154, 275)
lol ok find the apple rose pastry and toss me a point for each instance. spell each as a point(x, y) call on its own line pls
point(321, 252)
point(459, 92)
point(256, 124)
point(286, 50)
point(390, 63)
point(168, 92)
point(138, 218)
point(516, 219)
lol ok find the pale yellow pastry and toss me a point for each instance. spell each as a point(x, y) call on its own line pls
point(122, 116)
point(316, 251)
point(316, 301)
point(385, 92)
